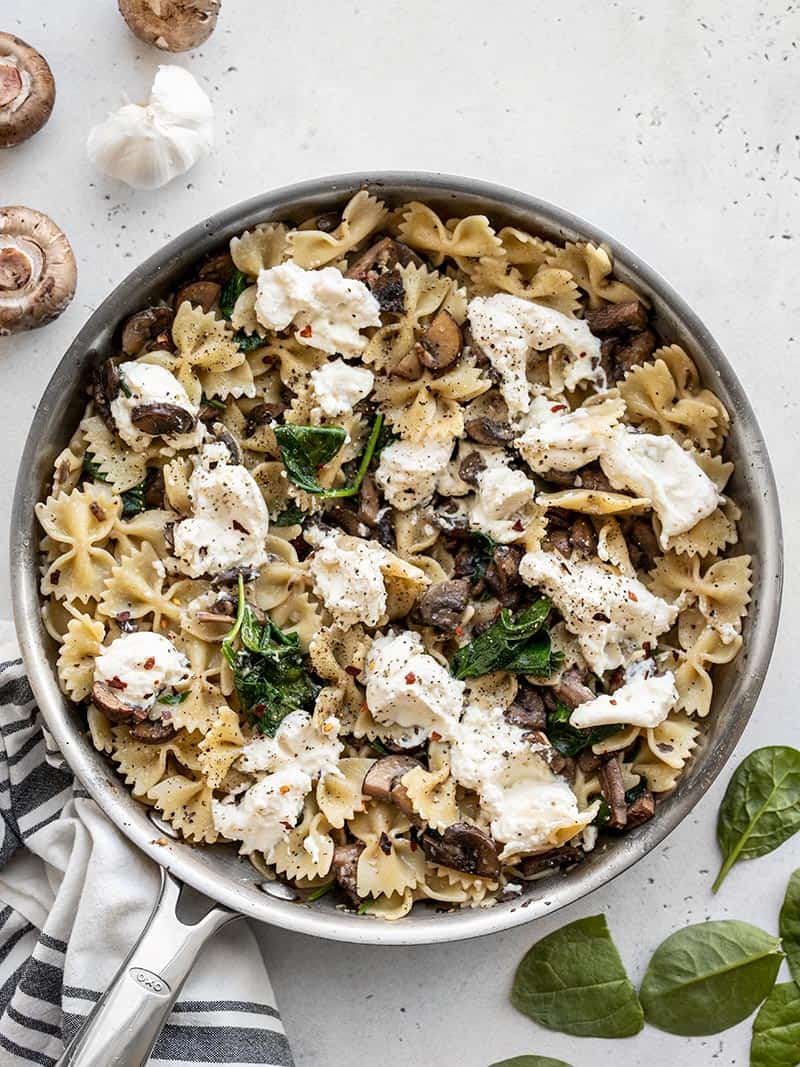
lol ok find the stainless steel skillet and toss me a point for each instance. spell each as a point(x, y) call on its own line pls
point(149, 981)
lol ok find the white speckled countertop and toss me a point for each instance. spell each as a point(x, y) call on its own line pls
point(671, 125)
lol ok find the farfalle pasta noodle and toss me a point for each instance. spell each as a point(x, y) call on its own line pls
point(109, 570)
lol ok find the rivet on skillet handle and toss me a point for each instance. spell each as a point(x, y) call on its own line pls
point(124, 1025)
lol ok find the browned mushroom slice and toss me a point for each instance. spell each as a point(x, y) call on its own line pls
point(443, 603)
point(261, 415)
point(613, 789)
point(614, 318)
point(172, 25)
point(464, 848)
point(641, 809)
point(582, 535)
point(217, 268)
point(502, 574)
point(470, 467)
point(638, 350)
point(389, 291)
point(528, 710)
point(557, 858)
point(27, 91)
point(572, 689)
point(224, 435)
point(203, 294)
point(145, 327)
point(441, 342)
point(345, 871)
point(152, 732)
point(110, 702)
point(162, 419)
point(384, 255)
point(488, 431)
point(37, 270)
point(410, 366)
point(369, 502)
point(382, 781)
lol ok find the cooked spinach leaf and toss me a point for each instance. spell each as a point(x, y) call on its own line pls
point(776, 1030)
point(172, 698)
point(518, 645)
point(574, 981)
point(483, 547)
point(709, 976)
point(790, 925)
point(248, 342)
point(212, 402)
point(133, 501)
point(269, 671)
point(231, 291)
point(570, 740)
point(290, 516)
point(761, 806)
point(91, 468)
point(304, 449)
point(530, 1061)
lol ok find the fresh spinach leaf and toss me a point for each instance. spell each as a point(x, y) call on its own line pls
point(248, 342)
point(570, 740)
point(483, 547)
point(231, 291)
point(212, 402)
point(790, 925)
point(530, 1061)
point(133, 501)
point(172, 699)
point(290, 516)
point(319, 892)
point(776, 1030)
point(709, 976)
point(269, 671)
point(574, 981)
point(761, 806)
point(304, 449)
point(91, 469)
point(512, 644)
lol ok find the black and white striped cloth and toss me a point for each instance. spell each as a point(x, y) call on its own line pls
point(74, 895)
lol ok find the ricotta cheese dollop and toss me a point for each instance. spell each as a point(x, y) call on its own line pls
point(328, 309)
point(148, 383)
point(408, 471)
point(529, 807)
point(140, 666)
point(556, 438)
point(348, 578)
point(501, 498)
point(508, 328)
point(642, 702)
point(230, 520)
point(338, 387)
point(407, 686)
point(611, 615)
point(290, 762)
point(655, 466)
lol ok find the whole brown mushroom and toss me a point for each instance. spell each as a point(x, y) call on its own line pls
point(27, 91)
point(172, 25)
point(37, 270)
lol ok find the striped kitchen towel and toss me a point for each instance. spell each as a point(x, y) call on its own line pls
point(74, 895)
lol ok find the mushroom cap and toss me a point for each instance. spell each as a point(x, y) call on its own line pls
point(37, 270)
point(172, 25)
point(27, 91)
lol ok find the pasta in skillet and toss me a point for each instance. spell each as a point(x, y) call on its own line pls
point(398, 550)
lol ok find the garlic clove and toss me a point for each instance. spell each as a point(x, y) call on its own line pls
point(147, 145)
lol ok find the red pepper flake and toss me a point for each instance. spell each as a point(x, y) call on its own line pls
point(613, 702)
point(385, 844)
point(365, 706)
point(632, 596)
point(306, 331)
point(519, 526)
point(284, 789)
point(435, 736)
point(117, 683)
point(149, 663)
point(459, 630)
point(558, 407)
point(411, 678)
point(353, 671)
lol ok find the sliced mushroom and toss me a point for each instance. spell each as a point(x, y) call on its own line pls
point(145, 327)
point(470, 467)
point(488, 431)
point(572, 689)
point(162, 419)
point(345, 871)
point(443, 603)
point(389, 291)
point(230, 577)
point(641, 809)
point(203, 294)
point(153, 732)
point(441, 342)
point(217, 268)
point(502, 574)
point(384, 255)
point(37, 270)
point(382, 781)
point(464, 848)
point(172, 25)
point(528, 710)
point(557, 858)
point(582, 535)
point(223, 434)
point(613, 789)
point(645, 547)
point(638, 350)
point(327, 222)
point(369, 502)
point(614, 318)
point(110, 702)
point(348, 520)
point(27, 91)
point(410, 366)
point(262, 415)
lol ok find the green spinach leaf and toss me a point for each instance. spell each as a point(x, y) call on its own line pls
point(709, 976)
point(305, 449)
point(172, 699)
point(530, 1061)
point(574, 981)
point(790, 925)
point(231, 291)
point(509, 644)
point(483, 547)
point(248, 342)
point(776, 1030)
point(290, 516)
point(761, 806)
point(133, 501)
point(570, 740)
point(269, 671)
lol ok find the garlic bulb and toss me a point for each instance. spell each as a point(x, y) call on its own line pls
point(147, 145)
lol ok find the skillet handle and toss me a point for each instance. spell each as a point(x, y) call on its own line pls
point(124, 1025)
